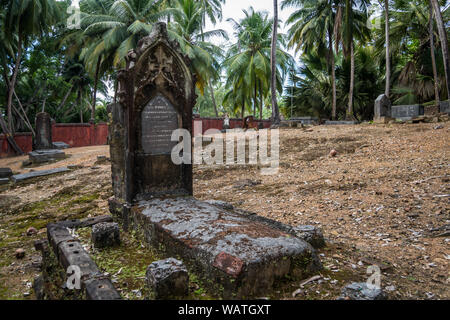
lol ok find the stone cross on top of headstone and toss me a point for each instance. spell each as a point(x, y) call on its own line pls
point(156, 96)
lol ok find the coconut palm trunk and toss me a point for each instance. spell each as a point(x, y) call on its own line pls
point(333, 76)
point(433, 60)
point(352, 83)
point(261, 101)
point(273, 58)
point(94, 100)
point(388, 55)
point(444, 42)
point(213, 98)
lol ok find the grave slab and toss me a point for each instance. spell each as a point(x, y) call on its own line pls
point(407, 112)
point(40, 156)
point(60, 145)
point(34, 174)
point(306, 120)
point(336, 123)
point(244, 256)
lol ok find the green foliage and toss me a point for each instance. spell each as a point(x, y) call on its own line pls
point(59, 68)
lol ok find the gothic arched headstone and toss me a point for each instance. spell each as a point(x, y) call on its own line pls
point(156, 96)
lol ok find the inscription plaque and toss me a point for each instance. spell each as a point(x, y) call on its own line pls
point(159, 120)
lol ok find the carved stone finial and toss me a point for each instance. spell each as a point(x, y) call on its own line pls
point(159, 30)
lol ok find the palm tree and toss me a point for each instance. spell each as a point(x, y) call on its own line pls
point(351, 25)
point(444, 42)
point(186, 28)
point(24, 19)
point(273, 65)
point(211, 9)
point(248, 61)
point(388, 56)
point(312, 26)
point(110, 28)
point(433, 60)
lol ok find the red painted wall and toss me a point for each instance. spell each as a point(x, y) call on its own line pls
point(80, 135)
point(23, 140)
point(83, 135)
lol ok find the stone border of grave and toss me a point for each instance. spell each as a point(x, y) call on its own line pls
point(5, 175)
point(69, 252)
point(232, 274)
point(34, 174)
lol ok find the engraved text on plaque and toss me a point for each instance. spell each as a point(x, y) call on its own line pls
point(159, 120)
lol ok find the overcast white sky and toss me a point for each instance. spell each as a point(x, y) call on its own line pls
point(233, 9)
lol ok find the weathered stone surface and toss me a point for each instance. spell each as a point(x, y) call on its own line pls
point(382, 107)
point(445, 106)
point(60, 145)
point(407, 112)
point(310, 234)
point(41, 156)
point(101, 289)
point(106, 234)
point(336, 123)
point(244, 255)
point(34, 174)
point(43, 131)
point(167, 279)
point(360, 291)
point(5, 172)
point(70, 252)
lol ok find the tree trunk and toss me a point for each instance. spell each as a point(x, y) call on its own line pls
point(12, 84)
point(444, 43)
point(94, 100)
point(63, 102)
point(433, 61)
point(25, 119)
point(273, 58)
point(333, 77)
point(255, 100)
point(213, 98)
point(261, 107)
point(388, 55)
point(352, 83)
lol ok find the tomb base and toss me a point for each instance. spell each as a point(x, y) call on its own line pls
point(236, 256)
point(41, 156)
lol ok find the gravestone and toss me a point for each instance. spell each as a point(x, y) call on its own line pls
point(445, 107)
point(407, 112)
point(235, 255)
point(43, 131)
point(382, 107)
point(44, 150)
point(156, 96)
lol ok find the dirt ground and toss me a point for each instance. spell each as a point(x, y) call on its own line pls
point(383, 200)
